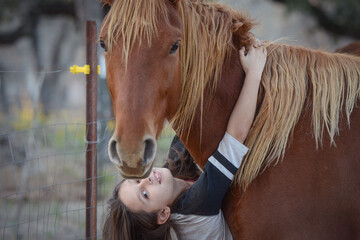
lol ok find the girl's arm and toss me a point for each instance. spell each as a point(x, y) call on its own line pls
point(243, 113)
point(205, 196)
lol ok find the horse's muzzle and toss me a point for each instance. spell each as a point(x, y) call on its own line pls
point(135, 164)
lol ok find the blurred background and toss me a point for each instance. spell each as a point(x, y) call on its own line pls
point(42, 105)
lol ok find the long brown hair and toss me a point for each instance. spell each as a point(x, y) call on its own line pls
point(121, 223)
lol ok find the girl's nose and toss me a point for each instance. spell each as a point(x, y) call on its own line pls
point(146, 180)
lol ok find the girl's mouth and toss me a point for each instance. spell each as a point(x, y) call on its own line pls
point(157, 176)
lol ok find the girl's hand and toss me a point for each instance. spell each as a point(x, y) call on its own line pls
point(254, 61)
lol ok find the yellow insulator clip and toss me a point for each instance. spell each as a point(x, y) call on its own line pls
point(77, 69)
point(85, 69)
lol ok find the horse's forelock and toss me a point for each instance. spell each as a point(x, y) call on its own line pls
point(134, 20)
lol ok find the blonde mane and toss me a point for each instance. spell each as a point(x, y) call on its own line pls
point(293, 77)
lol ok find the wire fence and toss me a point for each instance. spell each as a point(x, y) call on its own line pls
point(43, 179)
point(42, 169)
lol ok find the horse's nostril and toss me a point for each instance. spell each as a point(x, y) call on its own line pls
point(149, 151)
point(113, 153)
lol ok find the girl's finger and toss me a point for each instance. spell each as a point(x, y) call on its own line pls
point(242, 51)
point(257, 43)
point(251, 48)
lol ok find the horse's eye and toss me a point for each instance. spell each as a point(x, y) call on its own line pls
point(102, 44)
point(174, 48)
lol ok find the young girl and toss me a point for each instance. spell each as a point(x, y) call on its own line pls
point(149, 208)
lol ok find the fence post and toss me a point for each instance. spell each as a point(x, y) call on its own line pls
point(91, 130)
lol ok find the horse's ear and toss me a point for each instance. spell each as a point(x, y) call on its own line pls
point(108, 2)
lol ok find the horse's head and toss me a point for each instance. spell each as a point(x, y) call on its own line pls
point(143, 76)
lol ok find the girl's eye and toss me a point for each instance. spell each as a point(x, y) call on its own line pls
point(103, 45)
point(144, 193)
point(174, 48)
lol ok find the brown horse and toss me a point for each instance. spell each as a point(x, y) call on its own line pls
point(178, 60)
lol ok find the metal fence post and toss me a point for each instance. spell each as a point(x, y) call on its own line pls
point(91, 130)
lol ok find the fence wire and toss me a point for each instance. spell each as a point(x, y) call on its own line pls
point(42, 181)
point(42, 169)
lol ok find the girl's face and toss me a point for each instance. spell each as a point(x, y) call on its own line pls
point(149, 194)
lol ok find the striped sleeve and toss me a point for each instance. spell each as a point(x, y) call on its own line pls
point(227, 158)
point(205, 196)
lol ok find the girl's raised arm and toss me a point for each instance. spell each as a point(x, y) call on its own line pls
point(243, 113)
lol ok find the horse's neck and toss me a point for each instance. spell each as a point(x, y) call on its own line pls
point(216, 113)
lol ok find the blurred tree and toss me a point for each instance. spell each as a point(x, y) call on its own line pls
point(340, 17)
point(19, 18)
point(7, 7)
point(19, 24)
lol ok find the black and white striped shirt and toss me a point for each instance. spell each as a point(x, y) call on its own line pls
point(197, 213)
